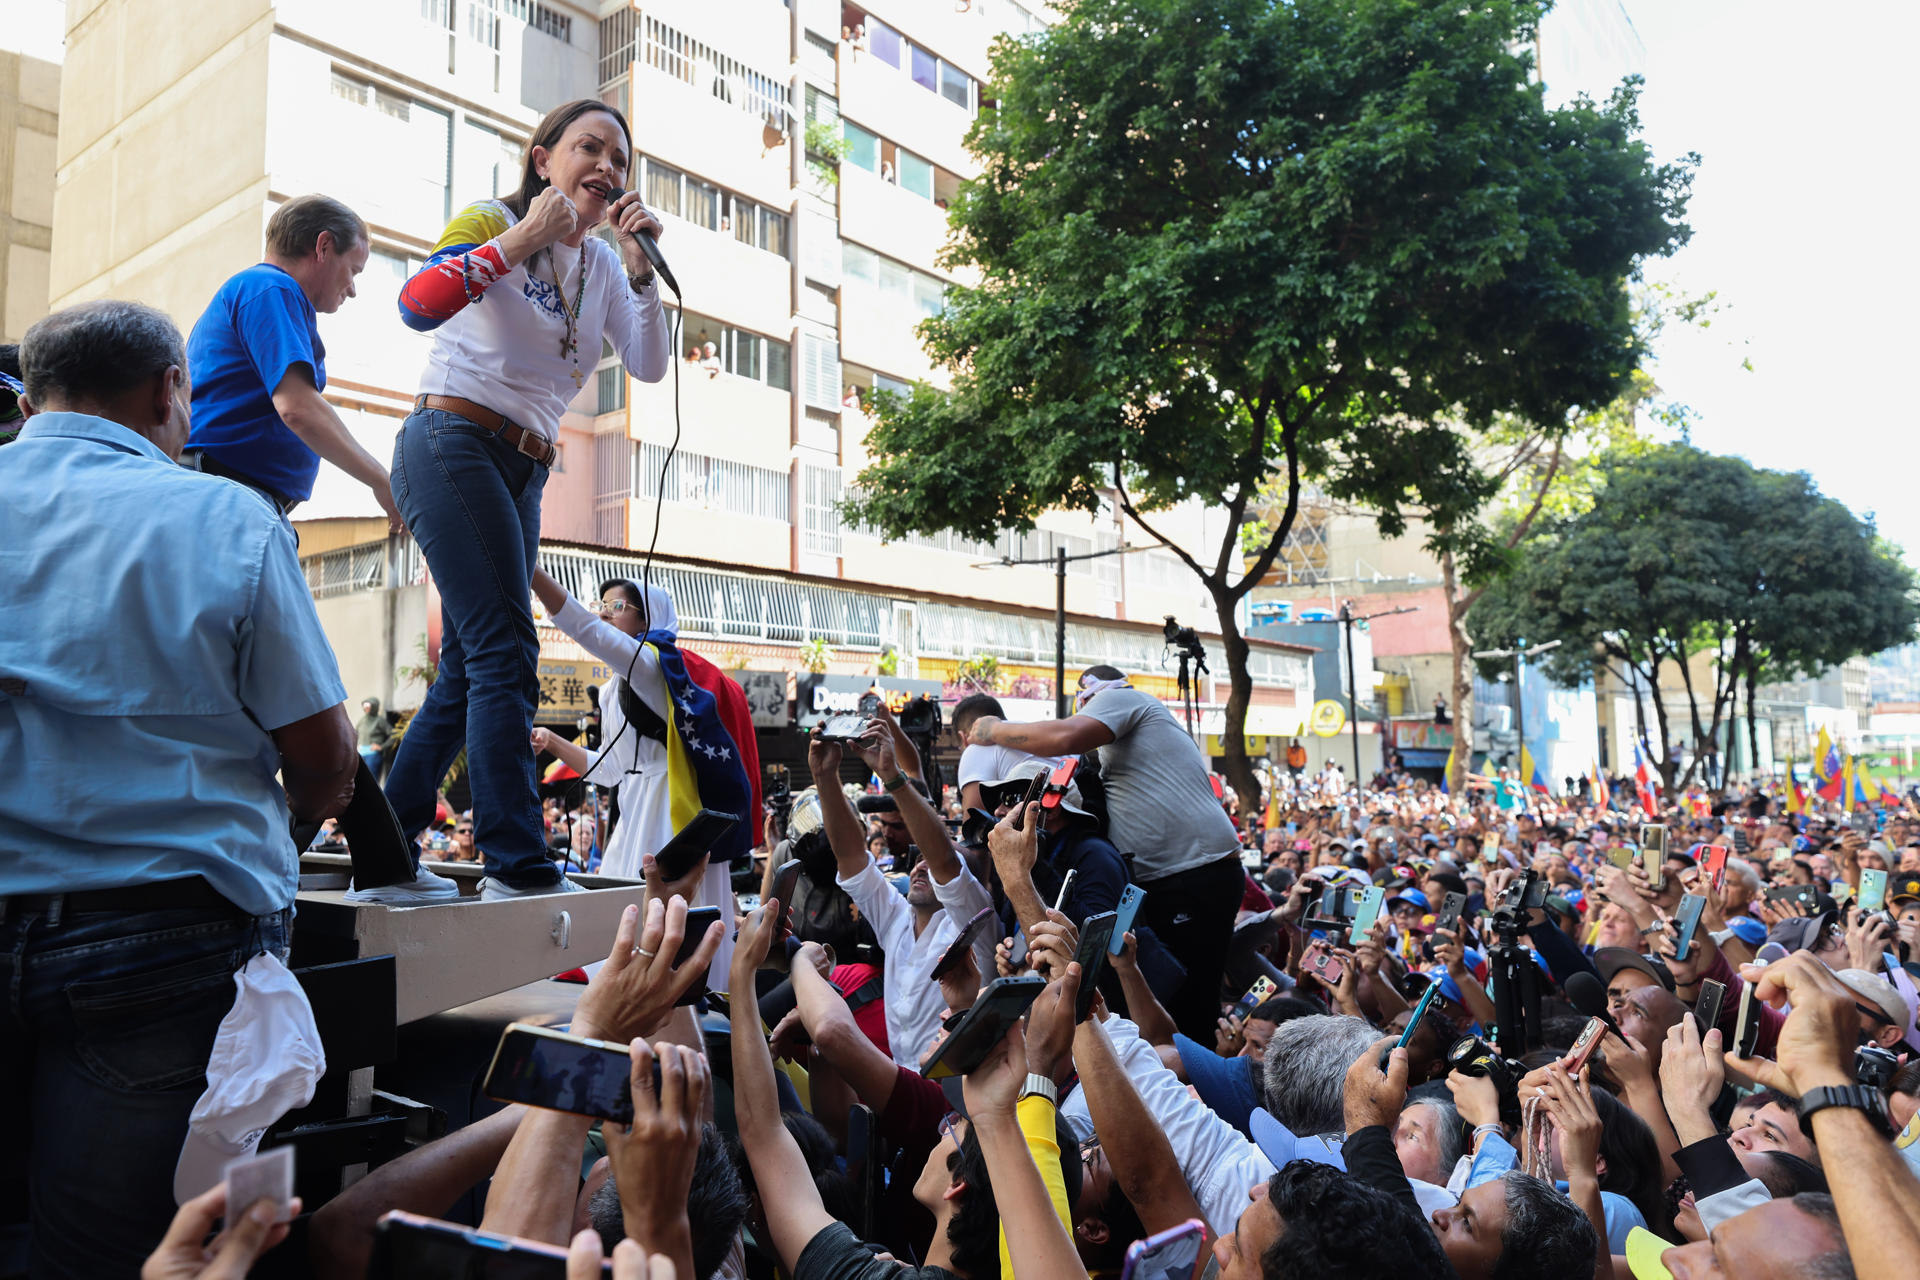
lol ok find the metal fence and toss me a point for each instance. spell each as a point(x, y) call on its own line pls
point(370, 566)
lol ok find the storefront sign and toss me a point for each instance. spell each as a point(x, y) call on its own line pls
point(821, 696)
point(766, 697)
point(1329, 717)
point(564, 684)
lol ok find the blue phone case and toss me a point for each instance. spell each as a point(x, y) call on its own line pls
point(1123, 913)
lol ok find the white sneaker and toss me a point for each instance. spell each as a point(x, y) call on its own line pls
point(492, 890)
point(423, 889)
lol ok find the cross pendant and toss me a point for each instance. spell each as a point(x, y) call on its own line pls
point(576, 377)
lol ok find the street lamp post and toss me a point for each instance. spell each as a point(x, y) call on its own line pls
point(1059, 560)
point(1347, 619)
point(1519, 655)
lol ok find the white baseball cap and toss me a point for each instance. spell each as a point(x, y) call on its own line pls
point(266, 1061)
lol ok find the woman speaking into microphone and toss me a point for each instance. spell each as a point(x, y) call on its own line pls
point(518, 296)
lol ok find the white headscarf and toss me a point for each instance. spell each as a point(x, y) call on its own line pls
point(1088, 688)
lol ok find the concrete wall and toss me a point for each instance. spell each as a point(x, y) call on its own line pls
point(29, 118)
point(373, 633)
point(162, 161)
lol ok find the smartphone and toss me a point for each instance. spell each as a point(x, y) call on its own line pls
point(1873, 889)
point(407, 1246)
point(1804, 894)
point(1259, 993)
point(1714, 863)
point(1123, 914)
point(1176, 1254)
point(1746, 1025)
point(1056, 788)
point(1323, 964)
point(962, 942)
point(843, 728)
point(786, 878)
point(699, 920)
point(1366, 913)
point(1034, 791)
point(1413, 1023)
point(555, 1071)
point(1653, 849)
point(1490, 849)
point(1706, 1010)
point(1685, 921)
point(984, 1026)
point(1450, 908)
point(705, 830)
point(1091, 955)
point(1620, 856)
point(863, 1166)
point(1589, 1040)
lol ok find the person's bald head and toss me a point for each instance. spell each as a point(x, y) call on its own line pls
point(1648, 1014)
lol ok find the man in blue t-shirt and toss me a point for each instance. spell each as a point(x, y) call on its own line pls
point(258, 364)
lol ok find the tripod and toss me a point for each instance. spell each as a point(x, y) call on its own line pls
point(1193, 664)
point(1515, 977)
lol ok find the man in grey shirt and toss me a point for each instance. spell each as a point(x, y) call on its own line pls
point(1161, 813)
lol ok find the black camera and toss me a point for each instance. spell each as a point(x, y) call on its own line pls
point(1528, 893)
point(920, 718)
point(1185, 639)
point(778, 796)
point(869, 704)
point(1874, 1066)
point(1472, 1056)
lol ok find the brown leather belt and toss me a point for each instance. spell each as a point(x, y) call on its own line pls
point(531, 443)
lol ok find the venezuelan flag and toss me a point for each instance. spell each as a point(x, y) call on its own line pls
point(1796, 796)
point(704, 767)
point(1530, 771)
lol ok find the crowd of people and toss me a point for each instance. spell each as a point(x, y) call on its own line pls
point(1369, 1031)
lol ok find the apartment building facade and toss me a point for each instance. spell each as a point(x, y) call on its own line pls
point(804, 278)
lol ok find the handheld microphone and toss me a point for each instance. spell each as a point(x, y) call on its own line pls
point(649, 247)
point(1586, 994)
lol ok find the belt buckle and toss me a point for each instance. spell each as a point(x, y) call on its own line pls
point(531, 444)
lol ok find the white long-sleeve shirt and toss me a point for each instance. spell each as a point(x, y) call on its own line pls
point(914, 1002)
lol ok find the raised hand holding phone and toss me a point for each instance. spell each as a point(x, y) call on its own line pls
point(635, 991)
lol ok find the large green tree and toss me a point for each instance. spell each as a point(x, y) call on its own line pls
point(1225, 242)
point(1683, 552)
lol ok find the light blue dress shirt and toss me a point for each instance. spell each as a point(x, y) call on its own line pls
point(154, 627)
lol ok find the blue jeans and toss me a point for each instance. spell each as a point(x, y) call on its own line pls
point(473, 504)
point(106, 1030)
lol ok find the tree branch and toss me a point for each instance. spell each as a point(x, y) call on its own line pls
point(1539, 499)
point(1290, 445)
point(1133, 513)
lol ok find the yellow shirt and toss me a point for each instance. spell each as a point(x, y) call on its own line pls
point(1037, 1124)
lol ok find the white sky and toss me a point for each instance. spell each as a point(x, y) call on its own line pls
point(1803, 218)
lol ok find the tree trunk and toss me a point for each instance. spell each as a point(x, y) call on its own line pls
point(1240, 775)
point(1461, 645)
point(1668, 766)
point(1753, 717)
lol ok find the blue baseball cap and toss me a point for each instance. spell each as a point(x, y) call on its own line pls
point(1282, 1146)
point(1413, 896)
point(1227, 1085)
point(1747, 929)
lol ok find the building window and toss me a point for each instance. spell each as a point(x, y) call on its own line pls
point(610, 386)
point(863, 148)
point(956, 86)
point(821, 491)
point(714, 484)
point(916, 175)
point(663, 189)
point(740, 352)
point(347, 89)
point(773, 232)
point(884, 42)
point(779, 365)
point(926, 69)
point(903, 287)
point(701, 204)
point(687, 60)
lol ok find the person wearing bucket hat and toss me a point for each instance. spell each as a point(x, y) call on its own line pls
point(1032, 868)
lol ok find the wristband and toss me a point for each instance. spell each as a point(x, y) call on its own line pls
point(1479, 1129)
point(897, 781)
point(1041, 1087)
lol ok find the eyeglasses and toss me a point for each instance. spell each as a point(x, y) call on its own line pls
point(463, 831)
point(615, 606)
point(947, 1124)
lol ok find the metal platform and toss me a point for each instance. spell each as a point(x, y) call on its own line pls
point(454, 953)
